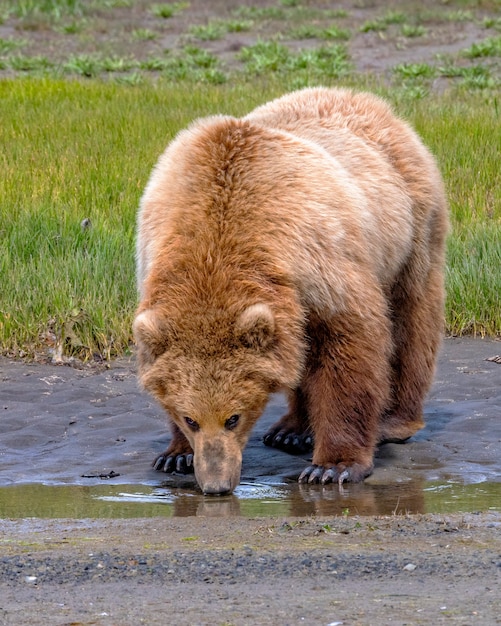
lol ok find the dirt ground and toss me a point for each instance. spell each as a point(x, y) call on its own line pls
point(214, 566)
point(131, 31)
point(314, 569)
point(355, 571)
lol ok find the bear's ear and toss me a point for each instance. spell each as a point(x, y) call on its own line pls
point(255, 327)
point(152, 335)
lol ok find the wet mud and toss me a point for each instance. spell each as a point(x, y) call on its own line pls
point(275, 552)
point(96, 430)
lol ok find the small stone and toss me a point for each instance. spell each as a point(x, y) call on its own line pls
point(410, 567)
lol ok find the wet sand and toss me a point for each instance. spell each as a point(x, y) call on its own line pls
point(60, 424)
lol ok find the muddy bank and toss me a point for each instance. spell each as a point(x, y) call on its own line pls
point(62, 425)
point(59, 423)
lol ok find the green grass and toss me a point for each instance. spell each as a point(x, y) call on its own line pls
point(491, 22)
point(217, 29)
point(311, 31)
point(302, 67)
point(144, 34)
point(415, 70)
point(381, 23)
point(413, 30)
point(56, 10)
point(84, 150)
point(192, 64)
point(208, 32)
point(238, 26)
point(81, 131)
point(471, 77)
point(9, 45)
point(23, 63)
point(459, 16)
point(78, 53)
point(486, 48)
point(474, 279)
point(168, 10)
point(76, 151)
point(265, 56)
point(53, 8)
point(464, 134)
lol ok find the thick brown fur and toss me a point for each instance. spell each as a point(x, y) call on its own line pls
point(298, 248)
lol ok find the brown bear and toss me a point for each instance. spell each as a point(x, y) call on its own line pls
point(298, 248)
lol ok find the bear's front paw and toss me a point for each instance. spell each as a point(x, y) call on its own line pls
point(169, 463)
point(291, 442)
point(339, 473)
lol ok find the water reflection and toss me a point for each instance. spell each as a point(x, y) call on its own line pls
point(249, 500)
point(306, 500)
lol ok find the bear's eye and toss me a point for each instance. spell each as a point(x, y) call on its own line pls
point(231, 422)
point(192, 424)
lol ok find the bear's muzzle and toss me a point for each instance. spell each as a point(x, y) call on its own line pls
point(218, 462)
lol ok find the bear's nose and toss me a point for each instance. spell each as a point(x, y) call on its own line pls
point(217, 489)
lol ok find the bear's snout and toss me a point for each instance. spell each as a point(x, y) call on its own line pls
point(218, 462)
point(219, 489)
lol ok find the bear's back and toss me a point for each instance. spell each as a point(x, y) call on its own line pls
point(290, 192)
point(337, 119)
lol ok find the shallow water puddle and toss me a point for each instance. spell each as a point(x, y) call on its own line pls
point(249, 500)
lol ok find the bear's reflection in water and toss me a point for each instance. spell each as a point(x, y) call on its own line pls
point(300, 500)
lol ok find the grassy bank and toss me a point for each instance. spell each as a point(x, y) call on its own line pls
point(77, 155)
point(76, 159)
point(463, 132)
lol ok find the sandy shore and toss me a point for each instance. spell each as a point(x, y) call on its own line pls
point(59, 423)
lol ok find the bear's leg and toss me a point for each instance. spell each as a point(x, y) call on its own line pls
point(347, 386)
point(178, 457)
point(292, 432)
point(417, 333)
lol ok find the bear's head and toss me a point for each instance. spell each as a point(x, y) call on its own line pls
point(213, 373)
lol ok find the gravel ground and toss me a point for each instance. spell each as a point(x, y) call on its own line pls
point(350, 571)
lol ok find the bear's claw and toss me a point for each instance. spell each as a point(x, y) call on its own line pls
point(289, 442)
point(318, 474)
point(180, 463)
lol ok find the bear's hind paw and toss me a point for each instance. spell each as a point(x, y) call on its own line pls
point(180, 463)
point(340, 473)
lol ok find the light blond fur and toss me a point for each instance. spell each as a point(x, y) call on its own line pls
point(300, 247)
